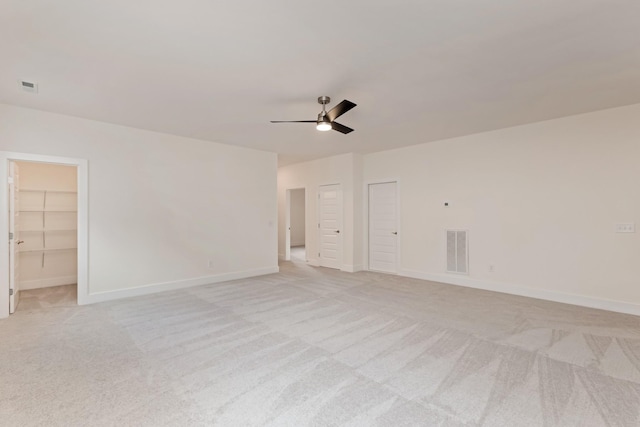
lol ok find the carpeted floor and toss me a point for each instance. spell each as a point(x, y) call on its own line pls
point(318, 347)
point(57, 296)
point(298, 254)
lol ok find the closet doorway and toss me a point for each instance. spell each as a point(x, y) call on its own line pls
point(44, 212)
point(44, 223)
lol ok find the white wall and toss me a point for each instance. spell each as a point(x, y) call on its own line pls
point(49, 268)
point(160, 206)
point(297, 217)
point(540, 202)
point(311, 175)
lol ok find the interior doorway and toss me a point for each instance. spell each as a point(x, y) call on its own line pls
point(296, 227)
point(47, 227)
point(43, 235)
point(44, 212)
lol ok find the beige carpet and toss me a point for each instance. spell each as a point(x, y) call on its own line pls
point(298, 254)
point(57, 296)
point(317, 347)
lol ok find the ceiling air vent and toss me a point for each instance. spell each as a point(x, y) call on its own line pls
point(31, 87)
point(457, 251)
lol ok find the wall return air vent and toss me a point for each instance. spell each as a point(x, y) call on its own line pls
point(28, 86)
point(457, 251)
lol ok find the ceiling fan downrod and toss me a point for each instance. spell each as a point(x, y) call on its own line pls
point(324, 123)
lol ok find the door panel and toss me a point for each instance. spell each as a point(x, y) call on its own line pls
point(14, 240)
point(383, 227)
point(330, 211)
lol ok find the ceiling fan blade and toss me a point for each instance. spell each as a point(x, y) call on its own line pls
point(341, 128)
point(294, 121)
point(340, 109)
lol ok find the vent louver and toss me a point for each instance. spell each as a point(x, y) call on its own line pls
point(29, 86)
point(457, 252)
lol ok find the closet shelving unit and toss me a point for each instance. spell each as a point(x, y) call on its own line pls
point(48, 222)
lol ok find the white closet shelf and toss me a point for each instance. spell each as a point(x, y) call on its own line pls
point(62, 230)
point(49, 218)
point(48, 250)
point(24, 190)
point(49, 211)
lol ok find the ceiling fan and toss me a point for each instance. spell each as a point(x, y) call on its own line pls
point(326, 119)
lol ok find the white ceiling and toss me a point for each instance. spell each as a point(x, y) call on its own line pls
point(419, 70)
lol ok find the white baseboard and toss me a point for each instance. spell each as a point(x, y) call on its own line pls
point(543, 294)
point(47, 283)
point(178, 284)
point(351, 268)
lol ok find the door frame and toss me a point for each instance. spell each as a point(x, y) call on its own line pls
point(365, 232)
point(340, 224)
point(83, 221)
point(287, 221)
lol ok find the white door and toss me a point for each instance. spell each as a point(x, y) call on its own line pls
point(383, 227)
point(330, 222)
point(14, 236)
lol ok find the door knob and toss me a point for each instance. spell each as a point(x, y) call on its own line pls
point(338, 231)
point(19, 241)
point(394, 232)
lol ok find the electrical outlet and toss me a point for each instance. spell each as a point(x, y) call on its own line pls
point(626, 227)
point(491, 268)
point(210, 264)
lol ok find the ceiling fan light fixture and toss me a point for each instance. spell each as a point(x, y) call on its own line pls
point(324, 124)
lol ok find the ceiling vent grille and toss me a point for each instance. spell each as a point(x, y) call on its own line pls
point(27, 86)
point(457, 251)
